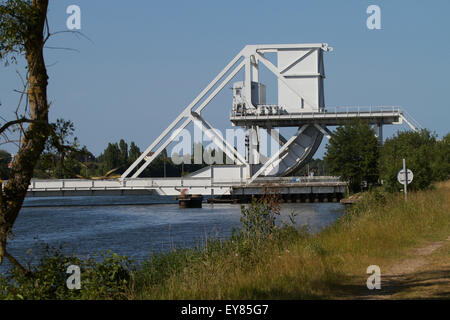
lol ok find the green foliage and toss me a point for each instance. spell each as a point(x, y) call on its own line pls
point(441, 161)
point(428, 158)
point(108, 279)
point(376, 198)
point(61, 156)
point(123, 152)
point(114, 160)
point(134, 152)
point(258, 218)
point(16, 17)
point(63, 130)
point(353, 153)
point(5, 159)
point(111, 157)
point(159, 267)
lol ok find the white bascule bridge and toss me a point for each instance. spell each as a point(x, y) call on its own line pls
point(300, 75)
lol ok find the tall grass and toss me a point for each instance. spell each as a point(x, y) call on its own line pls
point(292, 264)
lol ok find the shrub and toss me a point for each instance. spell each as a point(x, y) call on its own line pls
point(107, 279)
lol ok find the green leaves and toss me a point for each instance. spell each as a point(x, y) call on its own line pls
point(17, 18)
point(428, 158)
point(5, 159)
point(107, 276)
point(352, 154)
point(258, 218)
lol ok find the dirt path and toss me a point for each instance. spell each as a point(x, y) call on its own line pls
point(425, 275)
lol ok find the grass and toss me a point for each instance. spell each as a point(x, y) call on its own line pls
point(290, 264)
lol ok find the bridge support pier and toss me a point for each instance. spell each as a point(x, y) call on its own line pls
point(379, 132)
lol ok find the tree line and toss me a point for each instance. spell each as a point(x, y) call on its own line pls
point(355, 154)
point(76, 162)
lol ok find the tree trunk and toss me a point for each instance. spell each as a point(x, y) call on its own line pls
point(36, 134)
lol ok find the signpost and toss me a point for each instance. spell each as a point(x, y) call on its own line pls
point(405, 177)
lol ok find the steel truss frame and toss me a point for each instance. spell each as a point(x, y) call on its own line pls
point(248, 59)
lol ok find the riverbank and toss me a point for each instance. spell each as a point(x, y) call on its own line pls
point(408, 241)
point(380, 230)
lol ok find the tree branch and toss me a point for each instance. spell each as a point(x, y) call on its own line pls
point(17, 121)
point(16, 263)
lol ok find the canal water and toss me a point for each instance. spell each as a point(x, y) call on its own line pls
point(135, 226)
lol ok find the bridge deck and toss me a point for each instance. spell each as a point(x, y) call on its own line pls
point(173, 186)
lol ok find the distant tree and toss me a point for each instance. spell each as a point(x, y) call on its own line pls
point(45, 166)
point(123, 153)
point(316, 166)
point(133, 153)
point(352, 153)
point(428, 158)
point(84, 155)
point(441, 163)
point(110, 158)
point(68, 167)
point(119, 156)
point(60, 158)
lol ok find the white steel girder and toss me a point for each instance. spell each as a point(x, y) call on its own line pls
point(217, 139)
point(185, 114)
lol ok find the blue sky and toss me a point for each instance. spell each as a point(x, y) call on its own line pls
point(148, 59)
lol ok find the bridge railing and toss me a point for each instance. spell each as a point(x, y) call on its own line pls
point(337, 111)
point(362, 109)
